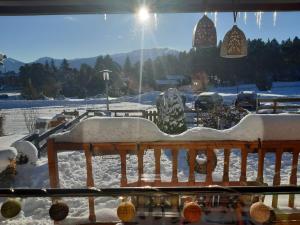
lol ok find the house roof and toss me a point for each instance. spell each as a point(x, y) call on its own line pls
point(40, 7)
point(166, 82)
point(175, 77)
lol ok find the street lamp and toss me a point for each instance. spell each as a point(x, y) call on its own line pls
point(105, 74)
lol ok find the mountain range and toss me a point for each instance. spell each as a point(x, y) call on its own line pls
point(11, 64)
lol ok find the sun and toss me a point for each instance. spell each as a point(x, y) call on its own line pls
point(143, 15)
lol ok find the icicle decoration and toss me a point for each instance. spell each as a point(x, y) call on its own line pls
point(258, 18)
point(239, 14)
point(215, 18)
point(274, 18)
point(155, 21)
point(105, 17)
point(245, 17)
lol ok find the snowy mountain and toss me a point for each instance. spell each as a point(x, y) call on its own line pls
point(12, 64)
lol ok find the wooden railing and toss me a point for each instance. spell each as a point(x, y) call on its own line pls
point(151, 115)
point(278, 148)
point(275, 104)
point(40, 140)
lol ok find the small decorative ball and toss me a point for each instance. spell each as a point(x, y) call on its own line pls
point(260, 212)
point(11, 208)
point(192, 212)
point(59, 211)
point(126, 211)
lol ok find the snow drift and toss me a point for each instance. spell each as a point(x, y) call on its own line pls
point(250, 128)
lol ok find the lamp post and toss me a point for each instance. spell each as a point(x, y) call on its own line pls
point(105, 74)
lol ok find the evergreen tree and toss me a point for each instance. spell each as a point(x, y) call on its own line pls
point(171, 119)
point(127, 68)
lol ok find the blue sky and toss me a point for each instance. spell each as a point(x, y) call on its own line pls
point(77, 36)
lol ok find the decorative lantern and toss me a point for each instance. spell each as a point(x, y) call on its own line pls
point(126, 211)
point(59, 211)
point(204, 35)
point(11, 208)
point(234, 44)
point(260, 212)
point(192, 212)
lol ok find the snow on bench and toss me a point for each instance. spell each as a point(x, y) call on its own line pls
point(251, 128)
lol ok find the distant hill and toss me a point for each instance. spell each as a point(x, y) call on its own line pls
point(11, 65)
point(14, 65)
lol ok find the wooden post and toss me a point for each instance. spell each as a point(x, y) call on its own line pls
point(157, 155)
point(244, 154)
point(155, 117)
point(90, 180)
point(123, 168)
point(174, 165)
point(52, 164)
point(192, 159)
point(197, 110)
point(226, 166)
point(274, 106)
point(260, 169)
point(140, 155)
point(276, 179)
point(293, 177)
point(209, 169)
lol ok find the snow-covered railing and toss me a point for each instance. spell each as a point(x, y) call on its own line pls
point(255, 134)
point(273, 104)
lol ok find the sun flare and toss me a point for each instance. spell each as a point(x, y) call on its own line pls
point(143, 14)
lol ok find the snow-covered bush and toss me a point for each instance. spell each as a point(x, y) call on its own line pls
point(170, 108)
point(26, 152)
point(7, 166)
point(222, 117)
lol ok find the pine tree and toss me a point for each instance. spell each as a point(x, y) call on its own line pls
point(127, 68)
point(171, 119)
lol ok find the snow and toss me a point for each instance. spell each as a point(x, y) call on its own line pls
point(107, 169)
point(6, 155)
point(250, 128)
point(26, 148)
point(106, 129)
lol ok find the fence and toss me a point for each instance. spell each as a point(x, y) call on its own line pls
point(39, 140)
point(123, 149)
point(275, 106)
point(152, 115)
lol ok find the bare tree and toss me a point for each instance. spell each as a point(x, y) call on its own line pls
point(30, 116)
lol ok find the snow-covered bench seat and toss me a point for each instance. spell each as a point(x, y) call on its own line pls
point(257, 134)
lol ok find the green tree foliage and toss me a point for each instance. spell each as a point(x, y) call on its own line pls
point(39, 80)
point(267, 61)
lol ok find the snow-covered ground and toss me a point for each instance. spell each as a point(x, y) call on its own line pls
point(107, 169)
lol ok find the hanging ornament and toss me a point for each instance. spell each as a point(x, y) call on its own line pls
point(205, 35)
point(260, 212)
point(59, 211)
point(192, 212)
point(126, 211)
point(234, 44)
point(11, 208)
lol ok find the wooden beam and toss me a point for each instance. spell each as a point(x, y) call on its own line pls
point(63, 7)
